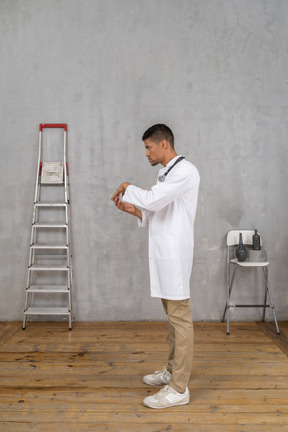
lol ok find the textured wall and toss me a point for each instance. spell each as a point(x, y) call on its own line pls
point(214, 70)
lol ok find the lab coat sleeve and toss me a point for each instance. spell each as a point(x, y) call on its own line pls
point(144, 222)
point(162, 194)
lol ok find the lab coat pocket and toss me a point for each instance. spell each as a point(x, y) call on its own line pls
point(164, 247)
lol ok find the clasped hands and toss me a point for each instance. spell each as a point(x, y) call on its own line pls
point(124, 206)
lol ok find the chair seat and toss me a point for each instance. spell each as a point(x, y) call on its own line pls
point(250, 263)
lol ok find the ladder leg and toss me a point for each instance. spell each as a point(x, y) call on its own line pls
point(24, 322)
point(71, 289)
point(70, 320)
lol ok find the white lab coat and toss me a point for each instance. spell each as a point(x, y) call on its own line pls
point(169, 209)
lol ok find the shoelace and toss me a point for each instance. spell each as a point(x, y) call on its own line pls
point(164, 370)
point(164, 390)
point(165, 373)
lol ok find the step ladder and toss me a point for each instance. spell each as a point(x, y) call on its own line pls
point(49, 279)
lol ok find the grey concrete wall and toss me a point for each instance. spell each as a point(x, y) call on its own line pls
point(214, 70)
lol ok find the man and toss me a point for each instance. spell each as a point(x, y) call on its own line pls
point(169, 210)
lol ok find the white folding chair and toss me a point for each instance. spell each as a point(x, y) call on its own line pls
point(232, 240)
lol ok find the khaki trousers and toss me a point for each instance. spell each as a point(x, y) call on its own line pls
point(181, 340)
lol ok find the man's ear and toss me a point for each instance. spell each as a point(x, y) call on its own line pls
point(164, 144)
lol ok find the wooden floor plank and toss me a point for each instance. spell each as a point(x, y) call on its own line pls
point(99, 409)
point(134, 427)
point(19, 345)
point(112, 394)
point(259, 356)
point(209, 397)
point(163, 417)
point(202, 367)
point(119, 381)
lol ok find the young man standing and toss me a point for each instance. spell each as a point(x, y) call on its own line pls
point(169, 210)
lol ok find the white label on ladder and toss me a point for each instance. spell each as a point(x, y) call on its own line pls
point(52, 172)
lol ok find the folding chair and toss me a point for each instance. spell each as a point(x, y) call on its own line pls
point(232, 240)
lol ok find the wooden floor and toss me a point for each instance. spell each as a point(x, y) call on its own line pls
point(90, 378)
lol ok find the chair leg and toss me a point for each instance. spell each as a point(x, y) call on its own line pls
point(266, 290)
point(224, 314)
point(227, 306)
point(271, 301)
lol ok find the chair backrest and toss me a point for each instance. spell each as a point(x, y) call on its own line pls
point(233, 237)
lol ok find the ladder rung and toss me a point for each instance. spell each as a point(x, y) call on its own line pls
point(48, 267)
point(48, 289)
point(60, 183)
point(50, 204)
point(50, 225)
point(46, 311)
point(48, 246)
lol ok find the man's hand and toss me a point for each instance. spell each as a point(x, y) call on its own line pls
point(121, 190)
point(125, 206)
point(128, 208)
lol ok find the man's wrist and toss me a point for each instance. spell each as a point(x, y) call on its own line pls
point(138, 213)
point(125, 186)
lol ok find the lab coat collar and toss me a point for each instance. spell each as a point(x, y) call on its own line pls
point(172, 161)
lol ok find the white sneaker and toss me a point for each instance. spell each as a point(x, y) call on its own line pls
point(158, 378)
point(167, 397)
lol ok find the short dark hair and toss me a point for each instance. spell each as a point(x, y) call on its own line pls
point(158, 132)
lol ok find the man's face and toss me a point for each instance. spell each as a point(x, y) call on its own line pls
point(154, 152)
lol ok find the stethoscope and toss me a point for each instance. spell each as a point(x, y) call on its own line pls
point(163, 176)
